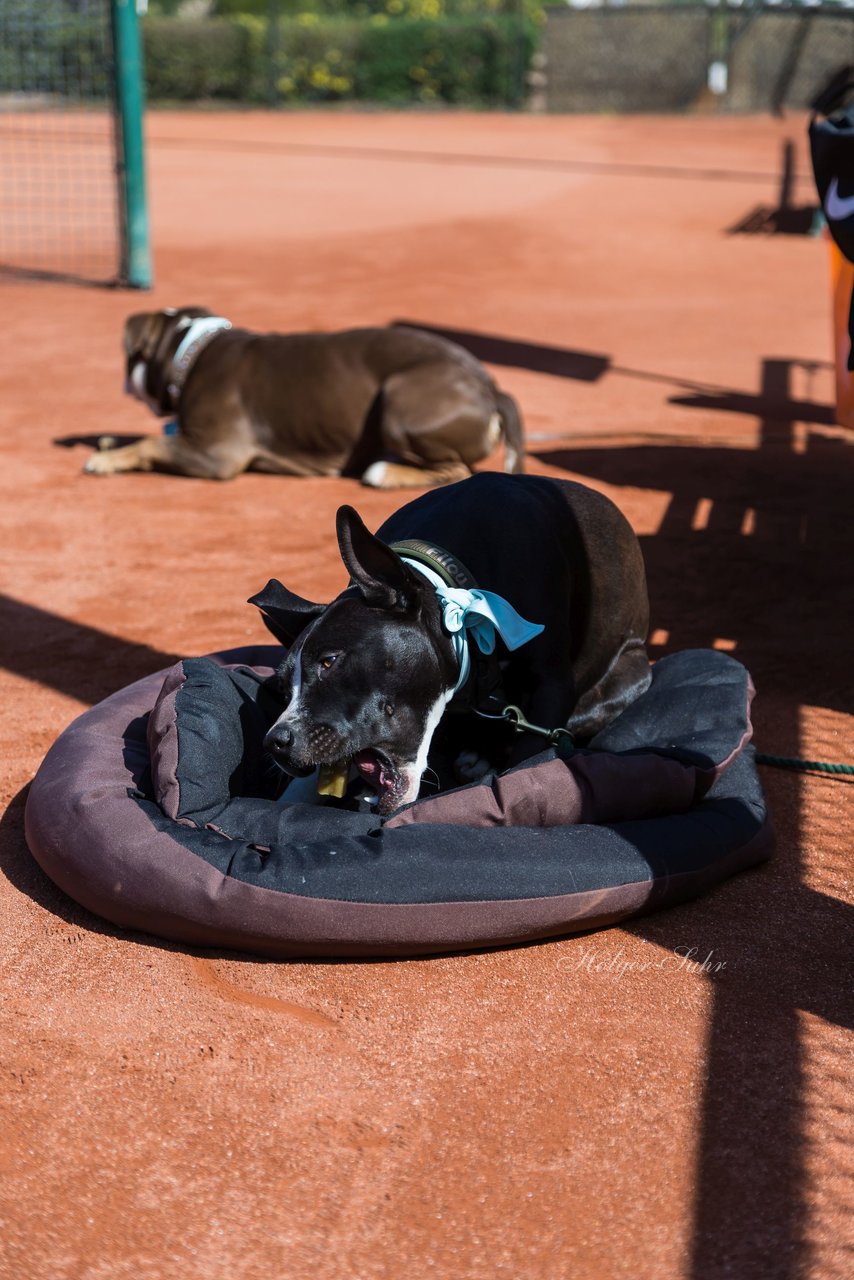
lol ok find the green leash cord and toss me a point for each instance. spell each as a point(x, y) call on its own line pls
point(805, 766)
point(561, 740)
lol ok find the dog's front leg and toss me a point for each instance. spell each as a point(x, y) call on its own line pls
point(626, 679)
point(142, 455)
point(470, 767)
point(166, 453)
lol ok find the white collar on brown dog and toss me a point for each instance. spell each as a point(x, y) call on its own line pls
point(197, 336)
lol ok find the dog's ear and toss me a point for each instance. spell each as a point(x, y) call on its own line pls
point(144, 330)
point(189, 313)
point(285, 614)
point(142, 333)
point(379, 573)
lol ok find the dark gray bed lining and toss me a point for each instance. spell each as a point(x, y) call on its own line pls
point(696, 713)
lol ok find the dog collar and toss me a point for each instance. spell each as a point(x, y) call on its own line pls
point(198, 334)
point(470, 612)
point(449, 569)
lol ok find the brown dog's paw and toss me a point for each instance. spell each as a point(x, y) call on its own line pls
point(381, 475)
point(99, 464)
point(398, 475)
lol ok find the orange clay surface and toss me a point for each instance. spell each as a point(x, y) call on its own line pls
point(588, 1108)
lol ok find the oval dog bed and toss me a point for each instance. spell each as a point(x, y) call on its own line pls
point(156, 809)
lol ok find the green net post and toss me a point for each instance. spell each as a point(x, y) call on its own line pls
point(130, 101)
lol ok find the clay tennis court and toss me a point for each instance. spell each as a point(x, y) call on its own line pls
point(599, 1106)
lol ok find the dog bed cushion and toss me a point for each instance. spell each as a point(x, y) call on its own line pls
point(157, 809)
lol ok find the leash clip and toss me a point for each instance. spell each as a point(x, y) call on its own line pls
point(516, 717)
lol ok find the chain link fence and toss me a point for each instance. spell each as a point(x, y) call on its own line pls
point(59, 199)
point(676, 57)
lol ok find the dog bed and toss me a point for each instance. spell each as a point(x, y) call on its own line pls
point(156, 809)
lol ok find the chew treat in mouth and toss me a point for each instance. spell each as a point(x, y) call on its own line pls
point(332, 779)
point(377, 770)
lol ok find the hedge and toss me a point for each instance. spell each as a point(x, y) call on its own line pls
point(451, 60)
point(360, 9)
point(479, 61)
point(190, 59)
point(467, 60)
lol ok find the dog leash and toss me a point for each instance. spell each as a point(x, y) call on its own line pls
point(555, 738)
point(837, 771)
point(563, 738)
point(515, 716)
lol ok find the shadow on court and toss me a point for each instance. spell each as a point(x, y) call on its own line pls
point(755, 553)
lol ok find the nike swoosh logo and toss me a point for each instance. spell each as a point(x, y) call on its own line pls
point(838, 207)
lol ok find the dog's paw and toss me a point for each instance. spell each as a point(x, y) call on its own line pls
point(470, 767)
point(100, 464)
point(376, 475)
point(402, 475)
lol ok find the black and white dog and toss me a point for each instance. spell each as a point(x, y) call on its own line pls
point(497, 591)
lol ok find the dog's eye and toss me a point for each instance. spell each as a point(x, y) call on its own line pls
point(328, 661)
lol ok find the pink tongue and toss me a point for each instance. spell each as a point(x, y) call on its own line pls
point(373, 770)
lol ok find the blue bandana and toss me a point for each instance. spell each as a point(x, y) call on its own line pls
point(481, 614)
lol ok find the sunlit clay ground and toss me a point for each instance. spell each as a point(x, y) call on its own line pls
point(595, 1107)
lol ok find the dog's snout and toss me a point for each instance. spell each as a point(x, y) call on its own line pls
point(280, 744)
point(279, 740)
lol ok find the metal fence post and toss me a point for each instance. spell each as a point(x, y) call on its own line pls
point(136, 252)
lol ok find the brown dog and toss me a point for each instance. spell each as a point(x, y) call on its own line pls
point(396, 406)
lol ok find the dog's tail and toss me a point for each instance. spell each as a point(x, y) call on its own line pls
point(513, 431)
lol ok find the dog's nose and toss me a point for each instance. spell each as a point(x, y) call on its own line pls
point(280, 743)
point(279, 740)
